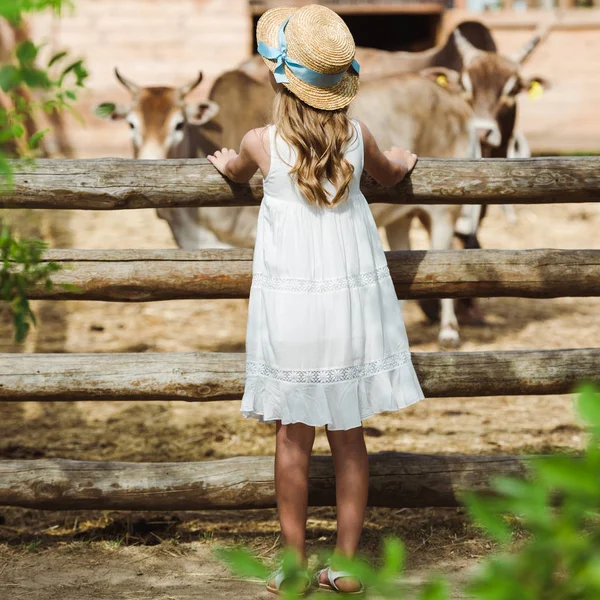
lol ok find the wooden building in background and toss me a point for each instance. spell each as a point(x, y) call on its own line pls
point(387, 24)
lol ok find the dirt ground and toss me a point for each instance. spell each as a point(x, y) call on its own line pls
point(105, 554)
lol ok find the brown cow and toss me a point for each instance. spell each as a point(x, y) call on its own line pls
point(491, 83)
point(162, 126)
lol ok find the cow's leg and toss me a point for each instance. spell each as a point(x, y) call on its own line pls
point(511, 215)
point(468, 311)
point(397, 234)
point(441, 233)
point(187, 231)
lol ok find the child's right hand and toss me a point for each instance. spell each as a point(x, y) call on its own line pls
point(404, 157)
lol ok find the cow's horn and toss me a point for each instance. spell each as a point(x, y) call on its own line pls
point(467, 51)
point(184, 90)
point(525, 52)
point(132, 87)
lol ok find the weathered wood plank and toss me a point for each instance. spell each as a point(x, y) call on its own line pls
point(397, 480)
point(108, 184)
point(147, 275)
point(369, 8)
point(203, 377)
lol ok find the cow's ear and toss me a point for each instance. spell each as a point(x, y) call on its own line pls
point(444, 77)
point(111, 111)
point(203, 112)
point(535, 86)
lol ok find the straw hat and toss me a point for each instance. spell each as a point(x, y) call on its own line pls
point(318, 39)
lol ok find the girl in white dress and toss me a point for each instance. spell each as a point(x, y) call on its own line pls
point(326, 342)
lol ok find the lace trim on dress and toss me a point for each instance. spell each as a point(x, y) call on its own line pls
point(260, 280)
point(329, 375)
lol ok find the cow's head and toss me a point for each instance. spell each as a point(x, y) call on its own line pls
point(491, 83)
point(158, 117)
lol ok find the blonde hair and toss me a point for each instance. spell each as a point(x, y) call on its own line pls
point(319, 138)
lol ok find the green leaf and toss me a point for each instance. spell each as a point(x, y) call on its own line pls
point(17, 131)
point(26, 53)
point(358, 568)
point(105, 109)
point(516, 488)
point(16, 282)
point(242, 562)
point(74, 67)
point(10, 77)
point(56, 57)
point(590, 572)
point(10, 10)
point(435, 589)
point(12, 132)
point(486, 512)
point(71, 95)
point(6, 173)
point(568, 474)
point(527, 498)
point(290, 562)
point(36, 138)
point(588, 405)
point(393, 557)
point(36, 78)
point(81, 74)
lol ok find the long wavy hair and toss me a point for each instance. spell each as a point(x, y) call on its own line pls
point(320, 138)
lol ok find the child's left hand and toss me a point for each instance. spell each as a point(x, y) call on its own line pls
point(220, 159)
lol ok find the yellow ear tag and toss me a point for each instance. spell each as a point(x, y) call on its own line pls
point(442, 80)
point(536, 90)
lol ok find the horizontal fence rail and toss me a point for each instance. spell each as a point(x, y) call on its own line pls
point(204, 377)
point(396, 480)
point(148, 275)
point(109, 184)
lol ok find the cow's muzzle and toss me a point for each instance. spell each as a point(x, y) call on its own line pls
point(488, 132)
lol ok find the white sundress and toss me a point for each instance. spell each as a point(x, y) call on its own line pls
point(326, 342)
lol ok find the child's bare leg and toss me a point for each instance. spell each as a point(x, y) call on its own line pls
point(294, 444)
point(351, 464)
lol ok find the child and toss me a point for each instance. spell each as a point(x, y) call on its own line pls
point(326, 343)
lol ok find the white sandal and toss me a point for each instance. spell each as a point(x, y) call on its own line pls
point(332, 577)
point(278, 577)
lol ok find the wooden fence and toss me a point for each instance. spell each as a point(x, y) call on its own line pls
point(150, 275)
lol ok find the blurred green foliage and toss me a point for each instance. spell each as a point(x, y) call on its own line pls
point(13, 10)
point(26, 90)
point(556, 505)
point(21, 269)
point(29, 88)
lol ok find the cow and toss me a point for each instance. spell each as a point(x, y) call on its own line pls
point(490, 83)
point(164, 126)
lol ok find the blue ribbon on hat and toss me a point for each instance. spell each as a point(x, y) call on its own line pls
point(300, 71)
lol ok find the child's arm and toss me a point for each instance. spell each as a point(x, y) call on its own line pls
point(240, 167)
point(389, 167)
